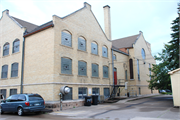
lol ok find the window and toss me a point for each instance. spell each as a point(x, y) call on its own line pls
point(69, 95)
point(6, 49)
point(126, 74)
point(95, 70)
point(95, 91)
point(16, 46)
point(21, 98)
point(66, 38)
point(138, 69)
point(81, 44)
point(143, 53)
point(139, 91)
point(105, 72)
point(114, 57)
point(13, 91)
point(4, 71)
point(150, 70)
point(94, 48)
point(106, 93)
point(104, 51)
point(82, 92)
point(131, 68)
point(3, 91)
point(66, 66)
point(82, 68)
point(14, 70)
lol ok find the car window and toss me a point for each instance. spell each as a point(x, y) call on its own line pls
point(35, 97)
point(21, 98)
point(14, 98)
point(8, 99)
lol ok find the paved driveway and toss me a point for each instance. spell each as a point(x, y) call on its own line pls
point(152, 108)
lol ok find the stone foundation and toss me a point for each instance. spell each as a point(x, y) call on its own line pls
point(55, 106)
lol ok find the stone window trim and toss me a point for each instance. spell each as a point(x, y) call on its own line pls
point(105, 57)
point(66, 46)
point(94, 54)
point(105, 51)
point(5, 56)
point(82, 51)
point(82, 76)
point(66, 74)
point(95, 77)
point(106, 78)
point(4, 78)
point(16, 53)
point(17, 45)
point(131, 79)
point(14, 77)
point(6, 47)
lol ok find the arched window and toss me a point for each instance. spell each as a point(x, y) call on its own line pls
point(82, 68)
point(94, 48)
point(4, 72)
point(66, 38)
point(114, 57)
point(131, 68)
point(104, 51)
point(81, 44)
point(95, 70)
point(14, 70)
point(16, 46)
point(105, 72)
point(143, 53)
point(66, 66)
point(6, 49)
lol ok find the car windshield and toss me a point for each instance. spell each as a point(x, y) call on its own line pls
point(35, 97)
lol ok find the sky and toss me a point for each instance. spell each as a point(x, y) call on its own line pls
point(128, 17)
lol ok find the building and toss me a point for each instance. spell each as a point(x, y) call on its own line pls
point(175, 83)
point(72, 51)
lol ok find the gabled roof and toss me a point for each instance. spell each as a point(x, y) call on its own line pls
point(126, 42)
point(27, 25)
point(40, 28)
point(117, 50)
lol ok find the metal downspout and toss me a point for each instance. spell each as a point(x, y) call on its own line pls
point(113, 70)
point(22, 66)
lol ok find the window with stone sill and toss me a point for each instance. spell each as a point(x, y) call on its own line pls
point(4, 72)
point(94, 48)
point(66, 38)
point(81, 44)
point(104, 51)
point(16, 46)
point(6, 49)
point(14, 70)
point(66, 66)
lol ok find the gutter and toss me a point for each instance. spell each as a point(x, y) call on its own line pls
point(113, 70)
point(52, 25)
point(22, 66)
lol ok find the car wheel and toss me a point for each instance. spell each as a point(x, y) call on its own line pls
point(1, 111)
point(20, 111)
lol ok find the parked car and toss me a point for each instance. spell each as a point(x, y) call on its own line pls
point(167, 90)
point(23, 103)
point(162, 91)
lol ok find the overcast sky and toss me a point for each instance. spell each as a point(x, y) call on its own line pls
point(128, 17)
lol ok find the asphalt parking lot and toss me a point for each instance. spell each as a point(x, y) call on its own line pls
point(150, 108)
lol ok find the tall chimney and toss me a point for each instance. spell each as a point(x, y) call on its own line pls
point(107, 21)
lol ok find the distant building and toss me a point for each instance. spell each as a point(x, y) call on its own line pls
point(73, 51)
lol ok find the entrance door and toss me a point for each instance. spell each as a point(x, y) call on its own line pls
point(115, 76)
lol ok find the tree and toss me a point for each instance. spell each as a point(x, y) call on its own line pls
point(169, 59)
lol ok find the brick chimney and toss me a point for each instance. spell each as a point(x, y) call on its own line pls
point(107, 21)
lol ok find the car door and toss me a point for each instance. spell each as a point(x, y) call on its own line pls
point(5, 105)
point(13, 103)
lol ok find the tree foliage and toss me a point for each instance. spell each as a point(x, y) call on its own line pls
point(169, 60)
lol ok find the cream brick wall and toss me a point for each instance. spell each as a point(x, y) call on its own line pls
point(9, 31)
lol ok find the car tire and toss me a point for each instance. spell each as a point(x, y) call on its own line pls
point(20, 111)
point(1, 111)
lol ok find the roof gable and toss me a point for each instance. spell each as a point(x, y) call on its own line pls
point(126, 42)
point(27, 25)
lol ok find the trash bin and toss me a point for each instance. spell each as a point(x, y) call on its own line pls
point(87, 101)
point(94, 99)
